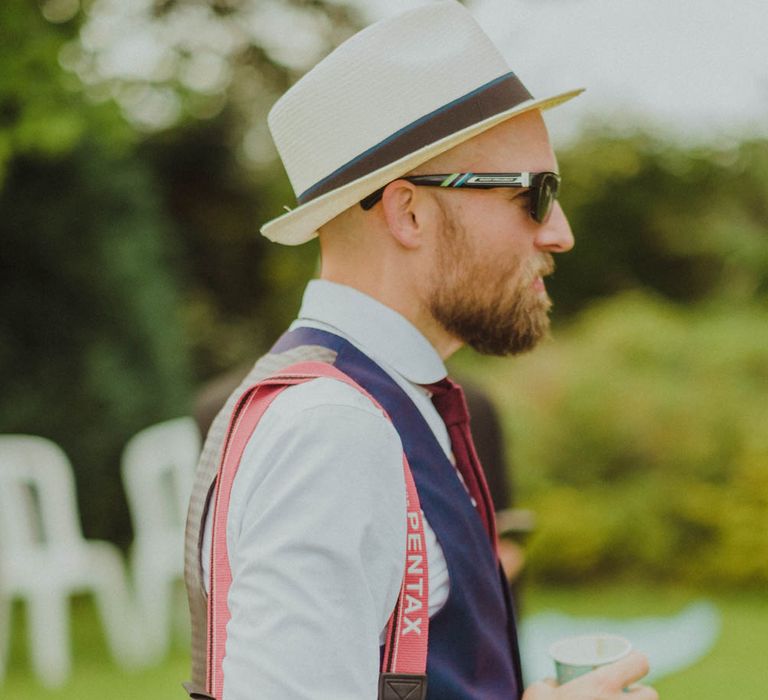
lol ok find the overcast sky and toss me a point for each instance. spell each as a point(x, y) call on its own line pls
point(696, 68)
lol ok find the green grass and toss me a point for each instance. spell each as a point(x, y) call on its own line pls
point(735, 670)
point(95, 676)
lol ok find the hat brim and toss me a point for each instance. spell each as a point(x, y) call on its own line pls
point(300, 225)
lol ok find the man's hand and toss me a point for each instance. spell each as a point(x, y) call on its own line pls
point(605, 683)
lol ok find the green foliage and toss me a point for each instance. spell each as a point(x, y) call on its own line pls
point(241, 290)
point(41, 107)
point(640, 437)
point(205, 57)
point(686, 223)
point(95, 675)
point(92, 349)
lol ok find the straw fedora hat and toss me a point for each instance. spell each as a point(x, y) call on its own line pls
point(391, 97)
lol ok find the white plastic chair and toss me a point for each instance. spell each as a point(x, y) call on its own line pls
point(44, 558)
point(158, 466)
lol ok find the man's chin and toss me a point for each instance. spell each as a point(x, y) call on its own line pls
point(517, 342)
point(515, 332)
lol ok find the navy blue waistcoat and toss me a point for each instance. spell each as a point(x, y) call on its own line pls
point(473, 651)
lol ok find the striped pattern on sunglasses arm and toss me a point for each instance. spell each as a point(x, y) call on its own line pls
point(459, 179)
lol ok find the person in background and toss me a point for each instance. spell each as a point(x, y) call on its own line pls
point(512, 524)
point(351, 552)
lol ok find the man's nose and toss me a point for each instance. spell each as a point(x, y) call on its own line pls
point(555, 235)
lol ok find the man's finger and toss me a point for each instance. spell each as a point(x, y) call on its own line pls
point(624, 672)
point(641, 692)
point(541, 690)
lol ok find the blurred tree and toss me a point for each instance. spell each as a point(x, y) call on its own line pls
point(198, 77)
point(241, 290)
point(689, 224)
point(41, 109)
point(91, 345)
point(641, 437)
point(92, 349)
point(167, 62)
point(209, 72)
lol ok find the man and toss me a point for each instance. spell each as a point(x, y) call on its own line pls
point(315, 529)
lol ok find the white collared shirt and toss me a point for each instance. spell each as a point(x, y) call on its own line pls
point(316, 524)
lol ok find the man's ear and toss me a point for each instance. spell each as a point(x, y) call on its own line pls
point(405, 213)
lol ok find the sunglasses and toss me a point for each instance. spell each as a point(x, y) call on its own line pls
point(544, 187)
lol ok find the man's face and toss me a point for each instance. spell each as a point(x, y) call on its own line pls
point(487, 287)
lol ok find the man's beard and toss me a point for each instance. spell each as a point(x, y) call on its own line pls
point(474, 301)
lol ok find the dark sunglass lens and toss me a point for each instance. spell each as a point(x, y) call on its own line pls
point(546, 193)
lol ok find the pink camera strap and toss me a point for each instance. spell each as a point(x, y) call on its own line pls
point(405, 650)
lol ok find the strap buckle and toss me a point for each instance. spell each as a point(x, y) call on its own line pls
point(402, 686)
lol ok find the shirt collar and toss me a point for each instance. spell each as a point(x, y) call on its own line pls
point(381, 332)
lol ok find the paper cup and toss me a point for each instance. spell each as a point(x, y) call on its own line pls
point(575, 656)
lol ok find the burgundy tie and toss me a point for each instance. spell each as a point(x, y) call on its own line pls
point(448, 398)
